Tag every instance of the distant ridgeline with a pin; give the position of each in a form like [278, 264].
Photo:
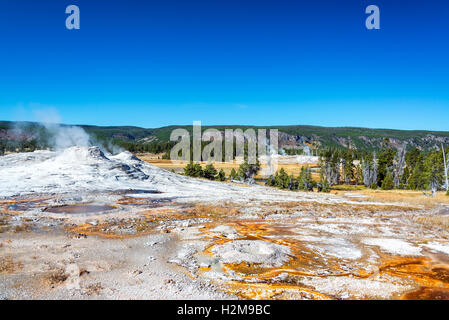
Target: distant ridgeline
[28, 136]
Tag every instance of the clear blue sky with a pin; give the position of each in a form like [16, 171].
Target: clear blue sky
[156, 63]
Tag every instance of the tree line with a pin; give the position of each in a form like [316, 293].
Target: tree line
[389, 168]
[152, 147]
[20, 146]
[245, 173]
[304, 181]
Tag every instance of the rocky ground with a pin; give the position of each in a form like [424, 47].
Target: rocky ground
[84, 225]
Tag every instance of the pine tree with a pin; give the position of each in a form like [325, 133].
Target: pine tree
[210, 172]
[385, 163]
[221, 175]
[285, 180]
[198, 170]
[305, 181]
[247, 171]
[281, 181]
[417, 179]
[270, 181]
[295, 184]
[189, 169]
[323, 186]
[405, 178]
[193, 170]
[277, 180]
[348, 166]
[434, 171]
[233, 174]
[412, 158]
[388, 182]
[358, 175]
[292, 185]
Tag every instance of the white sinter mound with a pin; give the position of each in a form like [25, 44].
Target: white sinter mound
[252, 251]
[74, 169]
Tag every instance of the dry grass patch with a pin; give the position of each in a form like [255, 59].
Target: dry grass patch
[348, 187]
[24, 227]
[143, 225]
[94, 289]
[417, 198]
[7, 265]
[4, 223]
[435, 221]
[336, 208]
[55, 278]
[115, 229]
[5, 226]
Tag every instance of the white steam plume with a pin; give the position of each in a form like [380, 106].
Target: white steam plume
[61, 137]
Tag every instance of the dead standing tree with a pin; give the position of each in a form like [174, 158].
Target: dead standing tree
[446, 165]
[399, 165]
[330, 166]
[369, 170]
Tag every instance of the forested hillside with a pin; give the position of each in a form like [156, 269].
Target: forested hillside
[29, 136]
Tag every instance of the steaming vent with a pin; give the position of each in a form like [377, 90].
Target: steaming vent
[96, 153]
[82, 155]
